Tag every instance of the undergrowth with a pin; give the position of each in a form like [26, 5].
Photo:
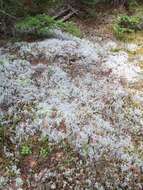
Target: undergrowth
[42, 26]
[127, 24]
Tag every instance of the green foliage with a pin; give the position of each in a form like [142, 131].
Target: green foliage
[126, 24]
[44, 152]
[25, 150]
[129, 22]
[119, 31]
[41, 25]
[69, 27]
[38, 25]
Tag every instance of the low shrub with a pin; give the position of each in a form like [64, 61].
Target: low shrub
[37, 25]
[127, 24]
[130, 22]
[41, 26]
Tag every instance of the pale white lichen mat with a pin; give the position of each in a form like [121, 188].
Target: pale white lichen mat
[79, 91]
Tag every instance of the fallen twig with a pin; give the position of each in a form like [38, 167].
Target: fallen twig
[66, 14]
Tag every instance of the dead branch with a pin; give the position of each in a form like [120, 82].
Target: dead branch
[67, 17]
[61, 14]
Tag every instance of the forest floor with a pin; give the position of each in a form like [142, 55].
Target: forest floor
[72, 111]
